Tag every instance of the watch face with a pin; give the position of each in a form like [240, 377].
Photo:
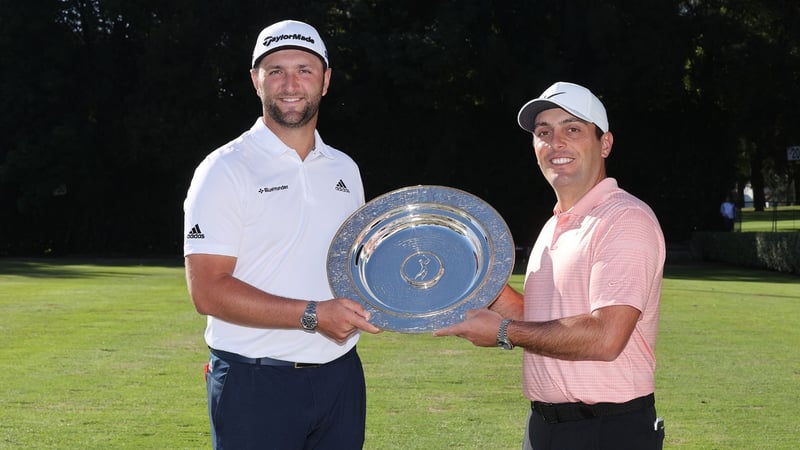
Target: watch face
[309, 318]
[309, 322]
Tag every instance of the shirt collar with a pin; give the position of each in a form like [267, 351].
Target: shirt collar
[590, 199]
[276, 147]
[321, 147]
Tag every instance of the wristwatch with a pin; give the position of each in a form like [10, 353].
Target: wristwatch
[309, 318]
[502, 336]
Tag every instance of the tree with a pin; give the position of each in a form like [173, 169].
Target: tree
[747, 64]
[108, 105]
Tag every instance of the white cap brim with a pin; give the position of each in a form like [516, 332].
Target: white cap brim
[572, 98]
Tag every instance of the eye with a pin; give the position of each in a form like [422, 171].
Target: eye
[542, 133]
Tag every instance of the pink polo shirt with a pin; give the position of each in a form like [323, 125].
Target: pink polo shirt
[606, 250]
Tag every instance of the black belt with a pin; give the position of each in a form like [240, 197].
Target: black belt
[569, 412]
[235, 357]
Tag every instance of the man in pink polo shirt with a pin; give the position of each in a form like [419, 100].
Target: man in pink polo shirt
[588, 318]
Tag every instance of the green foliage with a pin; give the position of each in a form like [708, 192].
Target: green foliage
[107, 106]
[767, 240]
[774, 251]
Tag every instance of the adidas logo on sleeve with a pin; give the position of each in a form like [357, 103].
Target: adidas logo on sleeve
[195, 233]
[341, 187]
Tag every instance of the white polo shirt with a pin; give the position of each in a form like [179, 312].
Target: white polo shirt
[256, 200]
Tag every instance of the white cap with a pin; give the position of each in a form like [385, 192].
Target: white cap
[572, 98]
[289, 34]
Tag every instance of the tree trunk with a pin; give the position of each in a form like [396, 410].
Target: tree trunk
[757, 181]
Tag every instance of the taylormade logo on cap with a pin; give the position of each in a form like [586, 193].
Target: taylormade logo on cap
[269, 40]
[289, 34]
[572, 98]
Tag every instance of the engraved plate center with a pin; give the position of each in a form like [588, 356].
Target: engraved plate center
[422, 269]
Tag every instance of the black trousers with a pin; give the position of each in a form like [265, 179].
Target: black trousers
[635, 431]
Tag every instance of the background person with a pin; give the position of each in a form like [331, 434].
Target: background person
[589, 315]
[259, 217]
[728, 212]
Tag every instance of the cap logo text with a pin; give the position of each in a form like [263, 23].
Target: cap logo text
[269, 40]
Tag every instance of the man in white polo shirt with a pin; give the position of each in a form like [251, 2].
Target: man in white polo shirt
[589, 315]
[259, 217]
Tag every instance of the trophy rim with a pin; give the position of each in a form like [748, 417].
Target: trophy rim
[442, 217]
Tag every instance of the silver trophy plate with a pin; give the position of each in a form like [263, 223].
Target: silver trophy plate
[419, 257]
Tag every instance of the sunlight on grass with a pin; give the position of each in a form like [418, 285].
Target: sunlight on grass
[782, 218]
[110, 355]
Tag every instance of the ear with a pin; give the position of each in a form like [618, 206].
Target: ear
[254, 79]
[606, 142]
[326, 81]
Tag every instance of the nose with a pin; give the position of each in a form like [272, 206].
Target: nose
[292, 80]
[556, 139]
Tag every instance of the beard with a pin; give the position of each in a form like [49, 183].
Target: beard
[293, 119]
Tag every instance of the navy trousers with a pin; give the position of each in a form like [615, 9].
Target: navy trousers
[269, 407]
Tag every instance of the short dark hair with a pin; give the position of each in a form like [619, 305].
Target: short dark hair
[598, 132]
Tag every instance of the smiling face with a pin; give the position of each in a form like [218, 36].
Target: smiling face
[290, 84]
[570, 155]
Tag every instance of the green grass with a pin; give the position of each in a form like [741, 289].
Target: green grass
[728, 369]
[783, 218]
[101, 354]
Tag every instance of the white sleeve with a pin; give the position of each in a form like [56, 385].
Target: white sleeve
[213, 210]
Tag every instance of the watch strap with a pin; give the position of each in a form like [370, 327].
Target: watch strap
[309, 319]
[502, 335]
